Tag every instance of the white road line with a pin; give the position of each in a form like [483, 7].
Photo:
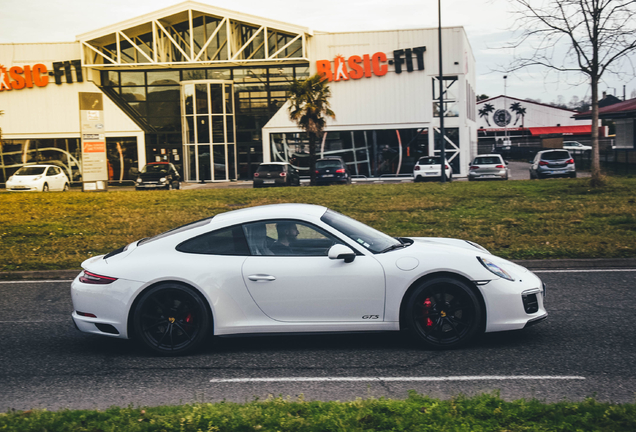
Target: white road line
[35, 281]
[584, 271]
[397, 379]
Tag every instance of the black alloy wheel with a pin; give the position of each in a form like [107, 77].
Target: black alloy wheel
[66, 187]
[45, 187]
[171, 319]
[444, 313]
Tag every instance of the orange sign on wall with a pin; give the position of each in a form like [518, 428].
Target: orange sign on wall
[356, 67]
[19, 77]
[94, 147]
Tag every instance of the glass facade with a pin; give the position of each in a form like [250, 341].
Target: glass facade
[368, 153]
[152, 99]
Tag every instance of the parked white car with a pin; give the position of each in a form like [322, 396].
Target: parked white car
[576, 147]
[299, 268]
[429, 167]
[41, 178]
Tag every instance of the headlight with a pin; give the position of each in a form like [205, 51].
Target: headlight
[37, 178]
[162, 179]
[494, 268]
[10, 179]
[138, 179]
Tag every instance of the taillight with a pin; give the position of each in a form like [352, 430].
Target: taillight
[283, 174]
[317, 172]
[340, 171]
[543, 163]
[446, 166]
[256, 174]
[417, 168]
[569, 161]
[474, 167]
[500, 166]
[95, 279]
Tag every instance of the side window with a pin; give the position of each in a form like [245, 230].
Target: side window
[287, 238]
[51, 172]
[226, 241]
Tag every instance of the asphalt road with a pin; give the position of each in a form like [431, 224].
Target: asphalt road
[587, 347]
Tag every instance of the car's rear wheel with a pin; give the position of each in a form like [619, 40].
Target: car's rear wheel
[171, 319]
[444, 313]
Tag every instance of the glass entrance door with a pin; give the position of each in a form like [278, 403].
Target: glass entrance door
[207, 110]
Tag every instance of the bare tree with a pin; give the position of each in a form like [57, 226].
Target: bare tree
[598, 36]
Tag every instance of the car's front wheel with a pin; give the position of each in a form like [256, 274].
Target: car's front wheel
[171, 319]
[45, 187]
[444, 313]
[66, 187]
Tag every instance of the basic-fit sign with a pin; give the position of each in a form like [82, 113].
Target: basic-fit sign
[94, 162]
[28, 76]
[356, 67]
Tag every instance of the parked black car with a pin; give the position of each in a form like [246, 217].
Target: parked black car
[158, 175]
[552, 163]
[276, 174]
[332, 170]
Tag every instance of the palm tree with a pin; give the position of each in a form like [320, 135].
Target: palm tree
[309, 104]
[487, 109]
[517, 108]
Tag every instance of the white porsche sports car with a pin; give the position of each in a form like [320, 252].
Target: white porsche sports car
[290, 268]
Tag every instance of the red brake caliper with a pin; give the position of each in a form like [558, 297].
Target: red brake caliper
[188, 319]
[427, 309]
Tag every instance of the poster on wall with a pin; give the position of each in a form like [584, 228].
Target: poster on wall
[94, 159]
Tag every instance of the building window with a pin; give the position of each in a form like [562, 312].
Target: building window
[450, 96]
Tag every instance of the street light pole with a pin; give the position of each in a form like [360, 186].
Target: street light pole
[505, 143]
[442, 153]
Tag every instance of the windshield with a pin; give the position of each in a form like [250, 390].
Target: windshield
[429, 161]
[487, 161]
[555, 155]
[270, 168]
[155, 168]
[370, 238]
[30, 171]
[328, 164]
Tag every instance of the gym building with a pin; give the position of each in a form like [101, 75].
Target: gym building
[206, 89]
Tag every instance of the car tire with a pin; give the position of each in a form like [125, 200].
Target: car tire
[45, 187]
[444, 313]
[66, 187]
[171, 319]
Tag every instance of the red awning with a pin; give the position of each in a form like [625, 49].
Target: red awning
[565, 130]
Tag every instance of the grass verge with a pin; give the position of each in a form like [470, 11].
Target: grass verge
[416, 413]
[515, 219]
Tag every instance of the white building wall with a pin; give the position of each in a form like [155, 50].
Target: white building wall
[537, 115]
[392, 101]
[53, 111]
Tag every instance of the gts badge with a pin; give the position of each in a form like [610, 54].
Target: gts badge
[370, 316]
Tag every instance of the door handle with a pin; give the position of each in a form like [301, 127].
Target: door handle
[261, 277]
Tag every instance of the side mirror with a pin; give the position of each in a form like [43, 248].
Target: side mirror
[340, 251]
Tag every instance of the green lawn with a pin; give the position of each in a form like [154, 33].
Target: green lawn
[514, 219]
[416, 413]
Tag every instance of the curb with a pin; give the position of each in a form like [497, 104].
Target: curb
[556, 264]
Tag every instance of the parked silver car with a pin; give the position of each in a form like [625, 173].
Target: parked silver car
[553, 163]
[490, 166]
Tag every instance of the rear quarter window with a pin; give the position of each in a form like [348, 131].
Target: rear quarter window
[226, 241]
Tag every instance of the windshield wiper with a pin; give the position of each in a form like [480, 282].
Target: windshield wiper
[393, 247]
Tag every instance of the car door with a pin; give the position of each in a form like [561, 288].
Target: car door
[301, 284]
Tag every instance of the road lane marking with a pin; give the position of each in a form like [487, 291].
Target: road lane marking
[397, 379]
[36, 281]
[583, 271]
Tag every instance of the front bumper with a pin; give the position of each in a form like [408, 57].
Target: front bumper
[151, 185]
[514, 305]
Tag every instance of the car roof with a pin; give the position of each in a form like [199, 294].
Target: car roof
[158, 163]
[275, 163]
[39, 166]
[489, 155]
[271, 211]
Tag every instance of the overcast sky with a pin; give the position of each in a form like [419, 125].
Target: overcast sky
[487, 23]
